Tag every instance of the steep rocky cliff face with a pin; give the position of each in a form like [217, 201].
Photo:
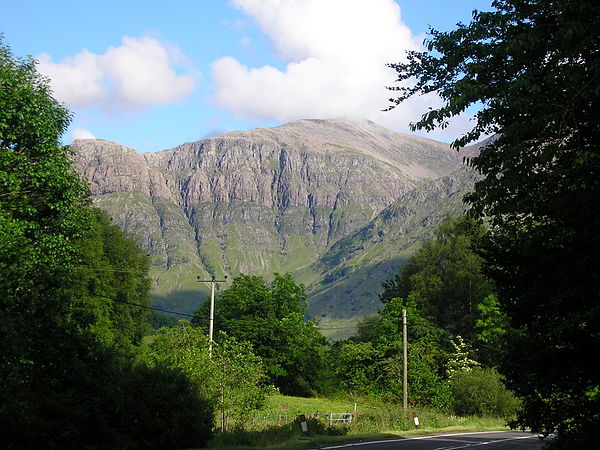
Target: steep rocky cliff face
[262, 201]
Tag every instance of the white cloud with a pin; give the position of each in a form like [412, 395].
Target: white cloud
[140, 72]
[82, 133]
[77, 80]
[336, 53]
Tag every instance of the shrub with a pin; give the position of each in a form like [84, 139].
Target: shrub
[321, 427]
[160, 408]
[481, 392]
[112, 404]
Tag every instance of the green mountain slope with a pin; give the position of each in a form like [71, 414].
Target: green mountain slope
[350, 274]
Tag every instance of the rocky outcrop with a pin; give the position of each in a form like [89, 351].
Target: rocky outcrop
[259, 201]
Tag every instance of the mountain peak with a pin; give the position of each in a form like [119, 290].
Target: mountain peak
[260, 201]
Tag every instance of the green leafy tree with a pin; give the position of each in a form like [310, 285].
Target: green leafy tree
[159, 320]
[359, 368]
[112, 284]
[371, 363]
[271, 318]
[150, 408]
[532, 69]
[240, 378]
[445, 277]
[60, 387]
[366, 329]
[491, 330]
[232, 380]
[246, 311]
[428, 353]
[41, 216]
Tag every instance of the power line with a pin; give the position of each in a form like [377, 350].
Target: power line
[148, 307]
[96, 269]
[473, 344]
[348, 327]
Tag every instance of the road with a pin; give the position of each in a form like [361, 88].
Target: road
[496, 440]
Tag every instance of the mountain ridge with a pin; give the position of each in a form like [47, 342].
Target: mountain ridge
[259, 201]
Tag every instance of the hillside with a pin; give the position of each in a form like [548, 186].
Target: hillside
[351, 272]
[334, 201]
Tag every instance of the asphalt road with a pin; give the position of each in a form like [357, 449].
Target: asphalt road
[496, 440]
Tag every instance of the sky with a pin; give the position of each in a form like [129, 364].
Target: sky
[154, 74]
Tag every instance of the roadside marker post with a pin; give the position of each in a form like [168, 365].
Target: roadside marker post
[416, 419]
[303, 425]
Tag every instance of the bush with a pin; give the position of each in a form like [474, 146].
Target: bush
[481, 392]
[320, 427]
[111, 404]
[160, 408]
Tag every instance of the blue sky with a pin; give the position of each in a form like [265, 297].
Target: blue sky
[154, 74]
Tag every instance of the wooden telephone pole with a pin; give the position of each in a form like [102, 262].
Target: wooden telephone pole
[405, 360]
[211, 319]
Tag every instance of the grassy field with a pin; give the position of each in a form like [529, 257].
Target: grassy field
[278, 427]
[284, 404]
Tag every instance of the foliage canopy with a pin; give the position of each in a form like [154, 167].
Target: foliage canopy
[232, 379]
[41, 215]
[111, 284]
[445, 277]
[271, 318]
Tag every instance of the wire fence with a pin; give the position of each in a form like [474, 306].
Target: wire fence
[265, 421]
[331, 418]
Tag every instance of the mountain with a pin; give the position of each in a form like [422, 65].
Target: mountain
[339, 203]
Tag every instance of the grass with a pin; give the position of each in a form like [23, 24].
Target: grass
[278, 427]
[284, 404]
[338, 329]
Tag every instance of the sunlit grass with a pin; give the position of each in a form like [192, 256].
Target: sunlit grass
[277, 426]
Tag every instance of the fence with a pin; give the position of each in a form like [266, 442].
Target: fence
[282, 419]
[339, 418]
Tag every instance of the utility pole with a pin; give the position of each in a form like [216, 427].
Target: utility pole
[405, 369]
[211, 319]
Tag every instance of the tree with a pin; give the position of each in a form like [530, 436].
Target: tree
[532, 67]
[232, 380]
[445, 277]
[240, 377]
[63, 382]
[42, 213]
[359, 368]
[153, 408]
[491, 330]
[372, 362]
[271, 318]
[481, 392]
[428, 353]
[112, 284]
